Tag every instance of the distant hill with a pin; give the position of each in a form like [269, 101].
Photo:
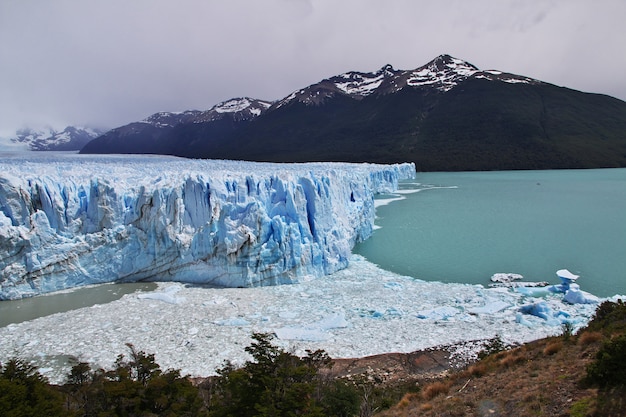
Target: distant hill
[174, 133]
[446, 115]
[71, 138]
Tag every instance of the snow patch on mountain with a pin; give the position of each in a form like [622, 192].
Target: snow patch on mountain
[49, 139]
[443, 73]
[238, 108]
[171, 119]
[239, 105]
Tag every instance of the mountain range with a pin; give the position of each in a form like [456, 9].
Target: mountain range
[446, 115]
[49, 139]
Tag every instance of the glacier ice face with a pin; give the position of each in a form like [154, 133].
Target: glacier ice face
[70, 220]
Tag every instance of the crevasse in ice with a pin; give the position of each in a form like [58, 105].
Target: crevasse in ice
[69, 220]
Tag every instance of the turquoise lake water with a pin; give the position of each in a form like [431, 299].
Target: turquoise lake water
[464, 227]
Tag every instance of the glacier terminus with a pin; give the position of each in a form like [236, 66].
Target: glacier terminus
[70, 220]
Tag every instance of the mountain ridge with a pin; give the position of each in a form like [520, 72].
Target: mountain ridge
[71, 138]
[445, 115]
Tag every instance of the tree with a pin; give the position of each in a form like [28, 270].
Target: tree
[25, 392]
[135, 387]
[278, 383]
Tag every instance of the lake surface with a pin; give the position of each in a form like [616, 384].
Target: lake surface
[464, 227]
[17, 311]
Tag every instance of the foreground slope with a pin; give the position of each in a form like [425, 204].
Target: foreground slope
[580, 374]
[67, 220]
[445, 115]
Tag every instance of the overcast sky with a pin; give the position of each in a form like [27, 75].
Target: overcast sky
[110, 62]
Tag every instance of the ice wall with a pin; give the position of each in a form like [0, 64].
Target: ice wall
[70, 220]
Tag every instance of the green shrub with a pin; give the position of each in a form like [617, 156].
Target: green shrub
[568, 331]
[609, 317]
[609, 367]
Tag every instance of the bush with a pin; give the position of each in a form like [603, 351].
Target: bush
[568, 331]
[609, 317]
[609, 367]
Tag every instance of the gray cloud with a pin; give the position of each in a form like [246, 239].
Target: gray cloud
[110, 62]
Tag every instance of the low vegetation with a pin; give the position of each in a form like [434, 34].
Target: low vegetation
[581, 374]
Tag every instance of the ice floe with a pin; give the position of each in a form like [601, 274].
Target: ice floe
[359, 311]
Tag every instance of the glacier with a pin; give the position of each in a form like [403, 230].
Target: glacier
[70, 220]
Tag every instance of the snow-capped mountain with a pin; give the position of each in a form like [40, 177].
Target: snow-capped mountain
[237, 108]
[49, 139]
[152, 134]
[443, 73]
[445, 115]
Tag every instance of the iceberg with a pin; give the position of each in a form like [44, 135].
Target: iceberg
[575, 296]
[168, 295]
[69, 220]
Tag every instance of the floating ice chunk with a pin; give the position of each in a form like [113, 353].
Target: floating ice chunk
[235, 322]
[575, 296]
[541, 310]
[301, 333]
[544, 311]
[565, 274]
[168, 295]
[503, 277]
[316, 332]
[438, 313]
[511, 280]
[519, 318]
[392, 311]
[380, 313]
[372, 313]
[333, 321]
[379, 202]
[489, 308]
[567, 279]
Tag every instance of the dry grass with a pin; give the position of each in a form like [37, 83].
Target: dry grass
[435, 389]
[425, 407]
[477, 369]
[539, 378]
[511, 358]
[588, 338]
[406, 399]
[552, 347]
